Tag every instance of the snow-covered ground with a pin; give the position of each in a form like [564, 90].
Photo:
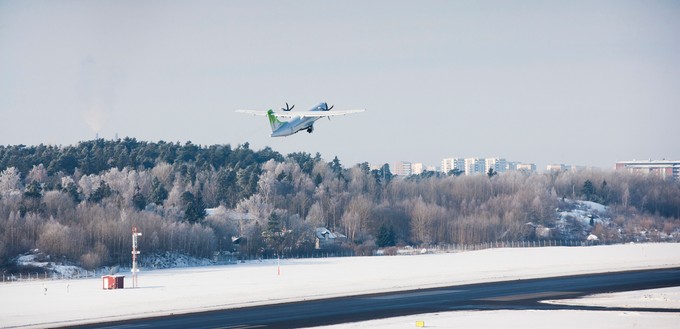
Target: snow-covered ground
[37, 260]
[583, 210]
[51, 303]
[573, 220]
[567, 319]
[526, 320]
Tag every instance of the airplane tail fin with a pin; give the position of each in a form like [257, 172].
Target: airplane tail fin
[273, 120]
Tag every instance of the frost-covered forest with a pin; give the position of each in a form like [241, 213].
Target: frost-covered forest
[79, 203]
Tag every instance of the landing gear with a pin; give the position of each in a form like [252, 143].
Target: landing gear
[310, 129]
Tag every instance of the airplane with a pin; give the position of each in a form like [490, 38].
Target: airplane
[297, 121]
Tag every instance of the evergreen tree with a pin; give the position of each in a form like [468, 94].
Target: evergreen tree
[33, 190]
[386, 236]
[274, 224]
[227, 193]
[588, 189]
[72, 190]
[138, 199]
[336, 167]
[365, 168]
[383, 175]
[102, 192]
[274, 235]
[32, 195]
[195, 208]
[158, 192]
[67, 161]
[455, 172]
[304, 160]
[604, 192]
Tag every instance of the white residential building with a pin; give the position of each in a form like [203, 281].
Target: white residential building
[528, 167]
[499, 165]
[557, 167]
[403, 168]
[417, 168]
[475, 166]
[449, 164]
[660, 168]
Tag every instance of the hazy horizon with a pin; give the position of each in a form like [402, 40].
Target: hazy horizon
[576, 83]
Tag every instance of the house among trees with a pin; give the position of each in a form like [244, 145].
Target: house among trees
[326, 238]
[238, 242]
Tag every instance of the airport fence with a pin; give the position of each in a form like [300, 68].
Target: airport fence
[50, 275]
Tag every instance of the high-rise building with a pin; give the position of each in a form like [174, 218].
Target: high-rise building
[449, 164]
[661, 168]
[417, 168]
[402, 168]
[527, 167]
[557, 167]
[475, 166]
[499, 165]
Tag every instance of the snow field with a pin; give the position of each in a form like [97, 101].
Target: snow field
[563, 319]
[525, 320]
[172, 291]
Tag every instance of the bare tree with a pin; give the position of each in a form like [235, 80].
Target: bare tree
[164, 173]
[10, 180]
[37, 174]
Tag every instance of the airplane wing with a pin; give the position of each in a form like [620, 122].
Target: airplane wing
[316, 114]
[253, 112]
[307, 114]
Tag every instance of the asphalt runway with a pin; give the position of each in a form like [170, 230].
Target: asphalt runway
[515, 295]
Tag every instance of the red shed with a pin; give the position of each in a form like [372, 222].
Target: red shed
[113, 282]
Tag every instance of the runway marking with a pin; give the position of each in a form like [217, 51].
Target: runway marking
[415, 294]
[510, 298]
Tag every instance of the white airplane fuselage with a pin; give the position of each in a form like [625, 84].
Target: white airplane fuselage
[297, 123]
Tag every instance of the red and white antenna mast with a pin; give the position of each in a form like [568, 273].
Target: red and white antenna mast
[135, 252]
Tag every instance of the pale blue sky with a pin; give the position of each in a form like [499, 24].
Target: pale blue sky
[577, 82]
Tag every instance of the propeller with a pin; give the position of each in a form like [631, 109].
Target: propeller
[328, 109]
[288, 108]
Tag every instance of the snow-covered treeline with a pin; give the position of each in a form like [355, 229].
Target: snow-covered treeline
[274, 203]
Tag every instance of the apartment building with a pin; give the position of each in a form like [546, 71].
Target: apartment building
[499, 165]
[402, 168]
[449, 164]
[661, 168]
[527, 167]
[475, 166]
